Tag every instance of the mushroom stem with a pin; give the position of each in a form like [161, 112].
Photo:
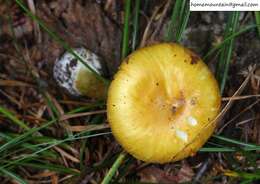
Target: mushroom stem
[78, 80]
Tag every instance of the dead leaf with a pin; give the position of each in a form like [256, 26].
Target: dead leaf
[185, 174]
[153, 174]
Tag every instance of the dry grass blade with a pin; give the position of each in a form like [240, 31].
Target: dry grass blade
[239, 97]
[11, 99]
[235, 117]
[238, 92]
[66, 155]
[44, 174]
[162, 16]
[70, 102]
[37, 32]
[60, 110]
[82, 128]
[69, 116]
[54, 179]
[246, 121]
[14, 83]
[227, 50]
[148, 27]
[13, 118]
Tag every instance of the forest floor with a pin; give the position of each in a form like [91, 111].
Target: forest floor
[41, 139]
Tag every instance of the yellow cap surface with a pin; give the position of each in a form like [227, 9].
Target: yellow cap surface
[160, 100]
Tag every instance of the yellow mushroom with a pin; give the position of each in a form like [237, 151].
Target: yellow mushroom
[159, 102]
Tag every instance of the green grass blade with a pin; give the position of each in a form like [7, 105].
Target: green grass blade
[51, 167]
[185, 18]
[216, 149]
[20, 138]
[257, 20]
[226, 51]
[51, 105]
[244, 175]
[23, 147]
[12, 117]
[114, 168]
[82, 154]
[124, 170]
[13, 176]
[51, 145]
[232, 36]
[246, 145]
[136, 24]
[89, 107]
[125, 44]
[174, 21]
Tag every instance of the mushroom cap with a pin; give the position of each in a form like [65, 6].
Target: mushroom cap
[76, 78]
[162, 103]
